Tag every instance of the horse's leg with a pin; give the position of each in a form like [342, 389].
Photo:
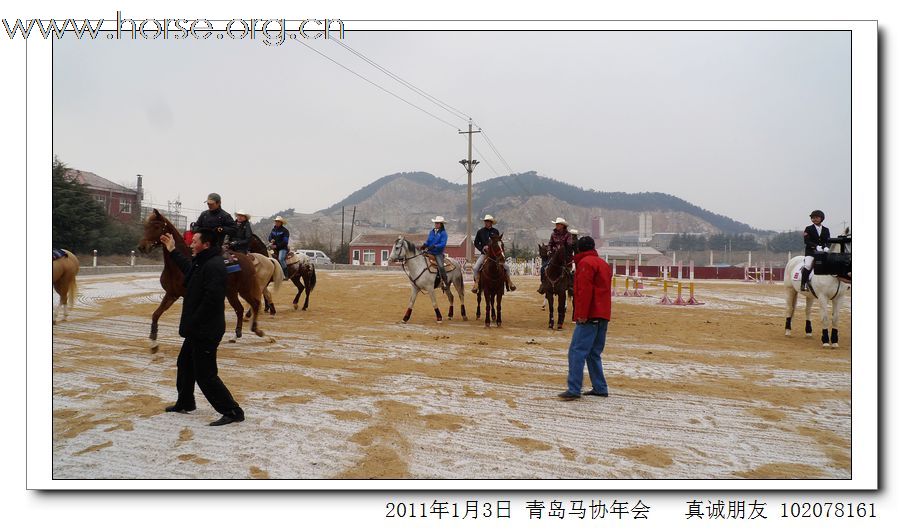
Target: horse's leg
[549, 303]
[561, 320]
[499, 307]
[300, 287]
[835, 303]
[236, 304]
[460, 287]
[439, 315]
[410, 303]
[824, 316]
[790, 304]
[488, 296]
[165, 304]
[255, 302]
[479, 296]
[808, 328]
[268, 302]
[451, 300]
[56, 308]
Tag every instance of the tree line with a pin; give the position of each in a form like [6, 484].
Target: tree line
[79, 223]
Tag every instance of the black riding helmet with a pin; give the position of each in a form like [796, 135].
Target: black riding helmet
[818, 213]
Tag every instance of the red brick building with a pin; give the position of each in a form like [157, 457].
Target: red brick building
[118, 202]
[374, 249]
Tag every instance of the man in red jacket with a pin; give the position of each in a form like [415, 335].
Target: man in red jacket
[592, 309]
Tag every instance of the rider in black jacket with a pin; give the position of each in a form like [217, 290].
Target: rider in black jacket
[215, 219]
[243, 233]
[816, 239]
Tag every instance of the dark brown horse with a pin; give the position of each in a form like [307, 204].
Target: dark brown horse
[304, 276]
[491, 280]
[257, 246]
[242, 283]
[557, 280]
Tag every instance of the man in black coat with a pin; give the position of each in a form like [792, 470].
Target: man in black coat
[242, 238]
[816, 239]
[202, 325]
[215, 219]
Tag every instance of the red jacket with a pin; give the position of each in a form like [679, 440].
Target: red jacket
[592, 287]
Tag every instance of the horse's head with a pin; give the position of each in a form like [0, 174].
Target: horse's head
[402, 249]
[544, 251]
[496, 245]
[154, 227]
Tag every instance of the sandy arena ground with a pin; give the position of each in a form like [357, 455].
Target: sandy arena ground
[346, 391]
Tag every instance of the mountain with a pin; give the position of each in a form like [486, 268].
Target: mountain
[524, 204]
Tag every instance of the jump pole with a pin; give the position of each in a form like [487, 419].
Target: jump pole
[691, 300]
[680, 300]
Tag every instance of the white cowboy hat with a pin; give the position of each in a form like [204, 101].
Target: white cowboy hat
[438, 219]
[242, 212]
[489, 217]
[560, 221]
[573, 231]
[280, 219]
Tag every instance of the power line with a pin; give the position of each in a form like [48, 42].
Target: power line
[452, 110]
[493, 147]
[434, 116]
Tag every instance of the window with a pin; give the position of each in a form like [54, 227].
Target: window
[102, 200]
[356, 256]
[384, 257]
[125, 206]
[369, 257]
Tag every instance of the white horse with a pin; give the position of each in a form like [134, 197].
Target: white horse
[267, 270]
[824, 288]
[416, 266]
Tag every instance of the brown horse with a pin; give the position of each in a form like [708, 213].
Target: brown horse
[242, 283]
[65, 270]
[304, 276]
[557, 280]
[492, 281]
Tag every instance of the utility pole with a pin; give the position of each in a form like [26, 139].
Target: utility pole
[469, 166]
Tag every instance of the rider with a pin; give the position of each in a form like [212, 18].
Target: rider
[816, 239]
[243, 233]
[436, 245]
[279, 241]
[215, 219]
[560, 238]
[482, 244]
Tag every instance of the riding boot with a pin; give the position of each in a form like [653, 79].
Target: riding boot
[508, 283]
[475, 288]
[542, 289]
[804, 279]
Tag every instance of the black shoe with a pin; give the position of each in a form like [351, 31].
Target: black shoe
[595, 393]
[568, 396]
[180, 409]
[226, 419]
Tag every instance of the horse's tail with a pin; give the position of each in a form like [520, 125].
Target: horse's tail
[278, 276]
[313, 277]
[73, 287]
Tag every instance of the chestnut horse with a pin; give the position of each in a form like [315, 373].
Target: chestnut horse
[243, 282]
[64, 271]
[557, 279]
[492, 281]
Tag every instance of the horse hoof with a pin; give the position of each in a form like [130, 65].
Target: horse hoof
[295, 306]
[834, 344]
[787, 332]
[259, 333]
[826, 345]
[232, 341]
[809, 334]
[155, 348]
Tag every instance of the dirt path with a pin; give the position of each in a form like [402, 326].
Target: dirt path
[345, 391]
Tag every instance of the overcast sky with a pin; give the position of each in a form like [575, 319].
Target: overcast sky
[752, 125]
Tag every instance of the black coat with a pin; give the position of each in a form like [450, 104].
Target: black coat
[242, 237]
[812, 239]
[205, 295]
[214, 219]
[482, 238]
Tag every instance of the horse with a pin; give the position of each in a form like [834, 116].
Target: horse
[491, 281]
[65, 270]
[417, 271]
[244, 282]
[823, 287]
[557, 280]
[304, 276]
[257, 246]
[267, 270]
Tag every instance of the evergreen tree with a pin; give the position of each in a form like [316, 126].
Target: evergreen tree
[77, 221]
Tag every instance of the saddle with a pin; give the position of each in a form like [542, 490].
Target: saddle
[231, 261]
[58, 253]
[431, 264]
[293, 258]
[833, 263]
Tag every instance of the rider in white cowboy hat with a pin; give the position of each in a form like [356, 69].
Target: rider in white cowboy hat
[436, 245]
[279, 241]
[560, 237]
[242, 238]
[482, 244]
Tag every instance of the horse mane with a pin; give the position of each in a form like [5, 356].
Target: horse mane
[169, 227]
[409, 246]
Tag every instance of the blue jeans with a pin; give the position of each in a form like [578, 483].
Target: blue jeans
[282, 260]
[587, 343]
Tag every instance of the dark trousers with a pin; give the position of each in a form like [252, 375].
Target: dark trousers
[197, 362]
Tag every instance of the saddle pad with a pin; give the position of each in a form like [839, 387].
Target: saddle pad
[293, 258]
[233, 268]
[58, 253]
[229, 258]
[795, 275]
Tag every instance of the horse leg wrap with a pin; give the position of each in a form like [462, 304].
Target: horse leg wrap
[464, 316]
[451, 311]
[834, 336]
[407, 315]
[439, 316]
[788, 323]
[825, 336]
[809, 328]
